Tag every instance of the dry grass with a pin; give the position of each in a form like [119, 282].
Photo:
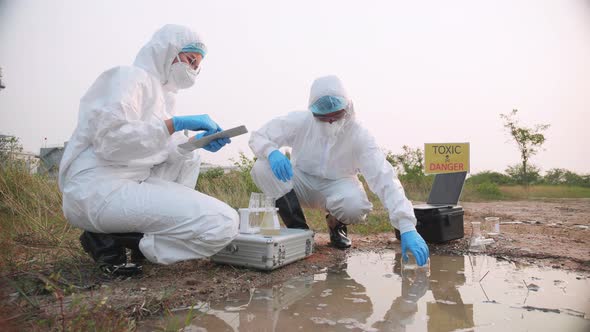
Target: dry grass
[545, 191]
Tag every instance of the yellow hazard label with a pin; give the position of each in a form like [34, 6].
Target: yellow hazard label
[446, 158]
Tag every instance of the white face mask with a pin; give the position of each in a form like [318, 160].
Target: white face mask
[332, 129]
[336, 127]
[182, 75]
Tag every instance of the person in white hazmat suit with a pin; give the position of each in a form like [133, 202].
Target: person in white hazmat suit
[125, 181]
[329, 148]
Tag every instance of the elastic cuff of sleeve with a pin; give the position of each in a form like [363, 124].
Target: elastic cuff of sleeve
[166, 129]
[406, 226]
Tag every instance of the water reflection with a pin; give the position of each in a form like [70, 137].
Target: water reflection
[448, 312]
[414, 286]
[369, 292]
[334, 297]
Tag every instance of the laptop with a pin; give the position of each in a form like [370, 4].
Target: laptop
[445, 192]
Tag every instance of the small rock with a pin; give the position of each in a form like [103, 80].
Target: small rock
[192, 282]
[392, 239]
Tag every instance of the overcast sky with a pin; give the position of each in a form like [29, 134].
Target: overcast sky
[418, 71]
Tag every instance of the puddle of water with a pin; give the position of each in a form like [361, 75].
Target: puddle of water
[370, 293]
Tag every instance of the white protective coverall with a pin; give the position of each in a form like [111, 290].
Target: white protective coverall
[122, 172]
[326, 163]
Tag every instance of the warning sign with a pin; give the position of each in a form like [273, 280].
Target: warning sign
[446, 158]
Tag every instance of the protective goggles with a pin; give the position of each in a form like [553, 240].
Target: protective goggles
[192, 61]
[330, 117]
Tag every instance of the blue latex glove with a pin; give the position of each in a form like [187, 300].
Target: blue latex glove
[195, 123]
[280, 165]
[415, 243]
[214, 145]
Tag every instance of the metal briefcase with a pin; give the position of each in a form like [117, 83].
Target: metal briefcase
[267, 252]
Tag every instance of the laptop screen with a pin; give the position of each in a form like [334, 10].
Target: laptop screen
[447, 188]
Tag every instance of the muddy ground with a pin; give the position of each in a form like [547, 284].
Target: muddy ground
[552, 233]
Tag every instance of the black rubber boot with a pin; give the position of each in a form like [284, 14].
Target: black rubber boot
[291, 212]
[103, 248]
[130, 241]
[338, 234]
[108, 250]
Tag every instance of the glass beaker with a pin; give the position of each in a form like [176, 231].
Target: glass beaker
[492, 225]
[255, 207]
[477, 241]
[411, 268]
[270, 221]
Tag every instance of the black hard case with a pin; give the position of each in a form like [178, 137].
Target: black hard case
[440, 224]
[441, 220]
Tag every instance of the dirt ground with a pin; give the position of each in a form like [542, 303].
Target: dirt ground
[552, 233]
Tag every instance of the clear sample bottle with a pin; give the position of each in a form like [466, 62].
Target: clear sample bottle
[477, 241]
[492, 225]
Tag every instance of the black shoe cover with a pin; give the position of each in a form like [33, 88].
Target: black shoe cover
[291, 212]
[338, 236]
[103, 248]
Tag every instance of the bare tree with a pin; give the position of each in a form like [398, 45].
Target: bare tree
[528, 140]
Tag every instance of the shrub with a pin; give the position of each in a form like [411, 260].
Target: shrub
[517, 173]
[212, 173]
[491, 177]
[561, 176]
[410, 169]
[488, 190]
[244, 165]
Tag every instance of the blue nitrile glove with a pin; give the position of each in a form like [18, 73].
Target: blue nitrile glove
[280, 165]
[214, 145]
[195, 123]
[413, 241]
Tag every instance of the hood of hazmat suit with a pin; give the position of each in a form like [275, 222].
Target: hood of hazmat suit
[122, 171]
[121, 117]
[336, 152]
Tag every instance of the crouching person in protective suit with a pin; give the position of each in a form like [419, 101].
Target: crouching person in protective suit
[329, 148]
[124, 180]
